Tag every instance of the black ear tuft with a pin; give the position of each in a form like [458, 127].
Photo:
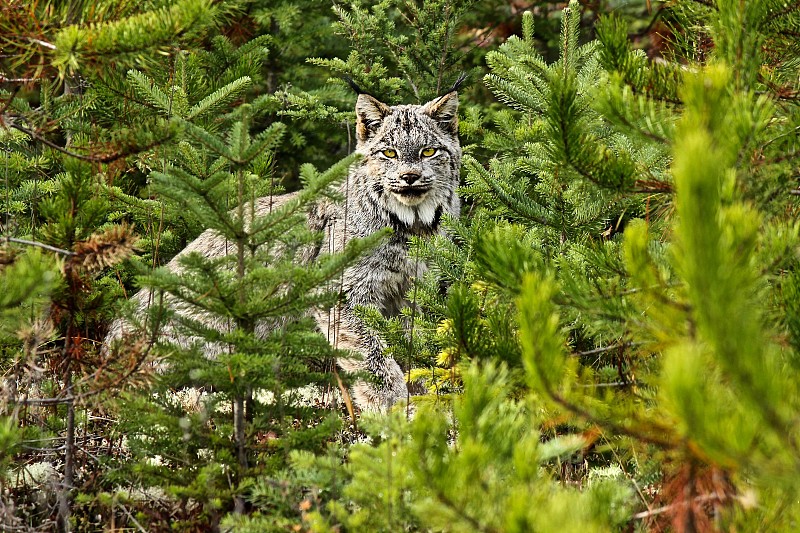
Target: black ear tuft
[370, 113]
[461, 79]
[352, 84]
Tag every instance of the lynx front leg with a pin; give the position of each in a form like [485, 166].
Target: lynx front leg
[347, 332]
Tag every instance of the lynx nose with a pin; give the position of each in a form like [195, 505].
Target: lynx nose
[410, 177]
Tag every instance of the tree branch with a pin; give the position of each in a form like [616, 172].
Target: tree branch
[39, 245]
[54, 146]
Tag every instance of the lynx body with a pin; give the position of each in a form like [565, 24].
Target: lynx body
[406, 180]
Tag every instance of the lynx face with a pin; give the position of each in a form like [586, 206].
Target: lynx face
[411, 158]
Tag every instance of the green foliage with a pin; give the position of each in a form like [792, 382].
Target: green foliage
[608, 337]
[422, 468]
[133, 37]
[743, 366]
[417, 40]
[25, 277]
[259, 284]
[633, 240]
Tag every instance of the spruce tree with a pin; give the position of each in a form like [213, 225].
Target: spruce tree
[64, 145]
[251, 414]
[55, 149]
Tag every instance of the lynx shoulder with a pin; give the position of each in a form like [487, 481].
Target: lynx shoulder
[406, 180]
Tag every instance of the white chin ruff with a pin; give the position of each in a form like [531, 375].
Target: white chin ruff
[410, 209]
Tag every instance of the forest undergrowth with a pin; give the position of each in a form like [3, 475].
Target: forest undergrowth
[607, 339]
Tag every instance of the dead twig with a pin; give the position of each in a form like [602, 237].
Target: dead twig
[39, 245]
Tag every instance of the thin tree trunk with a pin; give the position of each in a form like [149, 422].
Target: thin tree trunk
[241, 447]
[239, 419]
[65, 492]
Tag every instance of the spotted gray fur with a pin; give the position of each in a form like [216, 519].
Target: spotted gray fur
[394, 185]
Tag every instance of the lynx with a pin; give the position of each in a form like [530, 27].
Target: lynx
[406, 180]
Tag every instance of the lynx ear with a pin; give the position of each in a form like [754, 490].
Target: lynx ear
[444, 110]
[369, 116]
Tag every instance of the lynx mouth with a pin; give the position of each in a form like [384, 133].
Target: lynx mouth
[411, 192]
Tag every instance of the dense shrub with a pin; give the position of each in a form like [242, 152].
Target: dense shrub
[607, 338]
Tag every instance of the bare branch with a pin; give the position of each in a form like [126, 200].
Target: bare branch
[54, 146]
[39, 245]
[666, 508]
[4, 79]
[47, 45]
[604, 349]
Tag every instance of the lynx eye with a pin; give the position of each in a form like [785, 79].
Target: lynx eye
[391, 154]
[428, 152]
